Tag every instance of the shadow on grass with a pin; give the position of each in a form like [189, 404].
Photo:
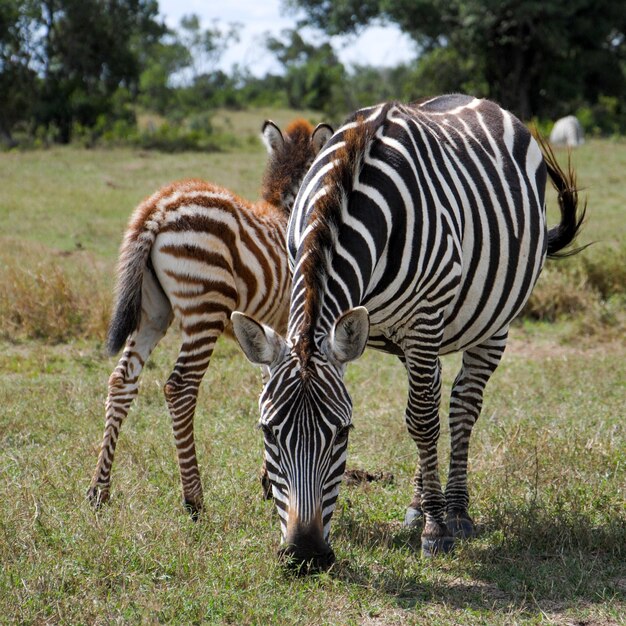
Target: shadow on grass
[523, 559]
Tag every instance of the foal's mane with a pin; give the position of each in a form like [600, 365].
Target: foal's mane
[288, 163]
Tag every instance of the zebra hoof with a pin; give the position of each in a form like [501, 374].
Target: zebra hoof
[433, 546]
[97, 497]
[193, 509]
[460, 525]
[414, 518]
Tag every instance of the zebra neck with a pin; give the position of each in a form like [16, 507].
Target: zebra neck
[314, 311]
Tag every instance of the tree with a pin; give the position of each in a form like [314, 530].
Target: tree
[205, 46]
[91, 48]
[180, 73]
[18, 81]
[367, 85]
[531, 54]
[163, 60]
[314, 77]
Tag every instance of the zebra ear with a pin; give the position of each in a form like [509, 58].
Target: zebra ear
[349, 336]
[321, 134]
[272, 137]
[259, 343]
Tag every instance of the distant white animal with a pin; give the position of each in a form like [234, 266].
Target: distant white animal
[567, 131]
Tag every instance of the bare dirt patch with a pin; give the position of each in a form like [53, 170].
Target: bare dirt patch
[354, 477]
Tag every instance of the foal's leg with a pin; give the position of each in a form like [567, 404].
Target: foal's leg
[479, 363]
[156, 316]
[200, 334]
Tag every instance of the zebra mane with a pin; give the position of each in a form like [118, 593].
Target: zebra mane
[324, 221]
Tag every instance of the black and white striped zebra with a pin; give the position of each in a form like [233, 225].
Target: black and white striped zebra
[419, 230]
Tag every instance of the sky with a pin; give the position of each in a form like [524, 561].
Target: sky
[377, 45]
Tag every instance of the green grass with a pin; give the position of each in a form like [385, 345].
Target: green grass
[77, 200]
[548, 459]
[547, 479]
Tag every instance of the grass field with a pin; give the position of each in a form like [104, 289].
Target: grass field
[548, 459]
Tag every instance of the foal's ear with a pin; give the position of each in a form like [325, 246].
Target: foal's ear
[259, 343]
[349, 336]
[272, 137]
[321, 134]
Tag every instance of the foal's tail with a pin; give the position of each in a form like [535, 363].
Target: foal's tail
[572, 216]
[133, 262]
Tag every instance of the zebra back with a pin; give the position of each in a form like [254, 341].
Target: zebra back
[404, 194]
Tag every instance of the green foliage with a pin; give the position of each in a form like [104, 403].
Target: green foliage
[366, 85]
[535, 58]
[89, 54]
[18, 80]
[204, 46]
[64, 65]
[446, 70]
[606, 117]
[175, 138]
[163, 60]
[314, 77]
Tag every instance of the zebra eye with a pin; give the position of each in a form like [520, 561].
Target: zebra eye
[268, 433]
[342, 434]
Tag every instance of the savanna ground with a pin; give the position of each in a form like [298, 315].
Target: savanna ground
[548, 458]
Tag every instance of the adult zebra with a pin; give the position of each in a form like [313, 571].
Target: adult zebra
[196, 252]
[420, 230]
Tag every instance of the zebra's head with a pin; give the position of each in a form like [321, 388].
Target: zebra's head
[291, 155]
[306, 415]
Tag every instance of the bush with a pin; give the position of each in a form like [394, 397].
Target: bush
[176, 138]
[589, 290]
[558, 293]
[606, 271]
[43, 301]
[604, 118]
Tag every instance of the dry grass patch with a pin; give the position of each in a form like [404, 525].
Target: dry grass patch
[43, 298]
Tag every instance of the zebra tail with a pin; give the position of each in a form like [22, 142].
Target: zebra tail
[572, 215]
[133, 261]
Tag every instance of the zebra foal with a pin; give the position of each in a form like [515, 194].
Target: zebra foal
[196, 252]
[419, 230]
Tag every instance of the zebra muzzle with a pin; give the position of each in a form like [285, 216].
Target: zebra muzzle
[303, 560]
[306, 551]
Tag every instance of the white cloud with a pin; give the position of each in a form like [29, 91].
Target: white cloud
[381, 46]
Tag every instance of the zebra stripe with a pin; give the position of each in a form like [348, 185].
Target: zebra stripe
[432, 217]
[195, 252]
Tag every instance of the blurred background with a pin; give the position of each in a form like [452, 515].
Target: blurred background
[152, 73]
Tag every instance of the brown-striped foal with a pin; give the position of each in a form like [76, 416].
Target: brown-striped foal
[197, 252]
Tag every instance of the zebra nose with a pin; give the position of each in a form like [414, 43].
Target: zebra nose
[305, 549]
[305, 559]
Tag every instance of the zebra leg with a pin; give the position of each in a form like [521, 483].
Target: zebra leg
[479, 363]
[156, 316]
[181, 393]
[414, 516]
[422, 419]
